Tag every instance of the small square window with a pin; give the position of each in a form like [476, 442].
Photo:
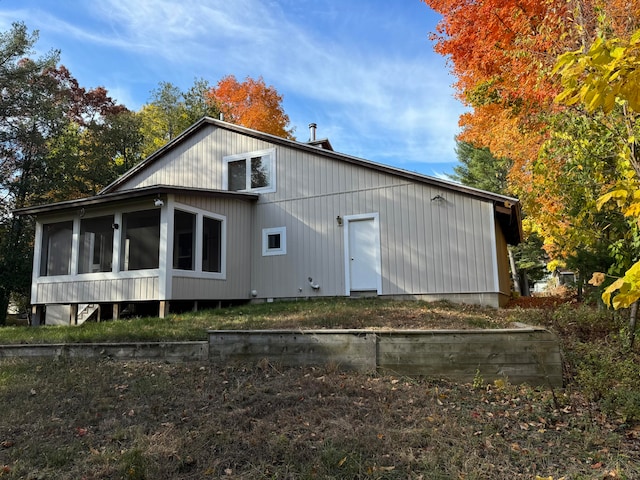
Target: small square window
[274, 241]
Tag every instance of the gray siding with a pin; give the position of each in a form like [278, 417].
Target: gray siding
[427, 247]
[196, 162]
[239, 235]
[442, 248]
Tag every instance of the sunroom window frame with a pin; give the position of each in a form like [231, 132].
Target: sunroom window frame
[198, 272]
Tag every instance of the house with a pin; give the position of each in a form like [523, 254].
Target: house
[224, 213]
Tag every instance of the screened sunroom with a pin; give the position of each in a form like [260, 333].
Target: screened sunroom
[139, 248]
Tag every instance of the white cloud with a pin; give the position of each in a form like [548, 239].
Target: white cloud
[399, 105]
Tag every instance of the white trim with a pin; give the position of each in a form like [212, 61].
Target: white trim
[266, 232]
[83, 277]
[268, 152]
[197, 272]
[37, 255]
[200, 275]
[197, 254]
[164, 265]
[494, 251]
[375, 216]
[75, 247]
[117, 242]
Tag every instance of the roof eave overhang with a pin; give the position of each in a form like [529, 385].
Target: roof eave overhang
[125, 196]
[509, 217]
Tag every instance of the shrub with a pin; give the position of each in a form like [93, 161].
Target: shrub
[606, 376]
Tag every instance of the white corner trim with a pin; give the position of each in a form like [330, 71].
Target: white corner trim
[494, 252]
[37, 255]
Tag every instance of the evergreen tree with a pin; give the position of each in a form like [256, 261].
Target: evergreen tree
[480, 169]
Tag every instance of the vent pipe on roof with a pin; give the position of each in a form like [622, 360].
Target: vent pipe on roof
[312, 132]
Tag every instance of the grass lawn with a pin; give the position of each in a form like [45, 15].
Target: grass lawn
[322, 313]
[104, 419]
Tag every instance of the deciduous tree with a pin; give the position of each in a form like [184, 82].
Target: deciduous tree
[57, 141]
[605, 77]
[32, 111]
[172, 111]
[252, 104]
[503, 54]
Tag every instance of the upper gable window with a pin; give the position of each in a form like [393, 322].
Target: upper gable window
[250, 172]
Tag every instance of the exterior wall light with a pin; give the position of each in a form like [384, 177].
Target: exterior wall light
[339, 220]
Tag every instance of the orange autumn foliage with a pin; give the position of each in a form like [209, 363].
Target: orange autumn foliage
[502, 53]
[252, 104]
[501, 46]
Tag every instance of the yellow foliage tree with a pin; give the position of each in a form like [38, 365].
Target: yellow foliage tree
[603, 77]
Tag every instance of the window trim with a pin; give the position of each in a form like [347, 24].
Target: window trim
[113, 241]
[43, 267]
[125, 253]
[266, 232]
[175, 254]
[197, 272]
[268, 152]
[223, 245]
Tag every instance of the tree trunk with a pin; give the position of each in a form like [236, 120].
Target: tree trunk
[514, 272]
[633, 315]
[4, 305]
[525, 290]
[579, 285]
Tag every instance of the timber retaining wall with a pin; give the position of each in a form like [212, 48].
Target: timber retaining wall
[165, 351]
[520, 355]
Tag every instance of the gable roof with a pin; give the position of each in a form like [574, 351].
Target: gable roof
[508, 212]
[507, 209]
[310, 148]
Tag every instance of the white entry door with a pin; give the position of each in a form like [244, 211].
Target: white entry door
[362, 241]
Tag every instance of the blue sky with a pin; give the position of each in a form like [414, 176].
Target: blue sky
[363, 70]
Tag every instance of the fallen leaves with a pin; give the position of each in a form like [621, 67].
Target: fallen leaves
[349, 426]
